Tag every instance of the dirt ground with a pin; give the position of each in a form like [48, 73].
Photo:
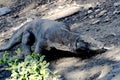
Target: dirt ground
[99, 19]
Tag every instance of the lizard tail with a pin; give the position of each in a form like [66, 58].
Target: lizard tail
[15, 39]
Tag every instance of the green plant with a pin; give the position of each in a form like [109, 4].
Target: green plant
[33, 67]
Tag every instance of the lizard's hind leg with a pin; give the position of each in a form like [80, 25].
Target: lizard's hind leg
[26, 47]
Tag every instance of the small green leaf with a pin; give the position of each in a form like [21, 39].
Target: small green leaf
[18, 51]
[2, 61]
[42, 58]
[5, 54]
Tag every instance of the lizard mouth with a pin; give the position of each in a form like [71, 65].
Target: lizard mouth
[97, 46]
[82, 45]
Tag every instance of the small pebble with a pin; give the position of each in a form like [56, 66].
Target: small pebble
[96, 21]
[97, 10]
[91, 16]
[102, 13]
[117, 4]
[90, 11]
[107, 20]
[116, 12]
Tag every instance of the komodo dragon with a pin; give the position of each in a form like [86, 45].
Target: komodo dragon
[48, 33]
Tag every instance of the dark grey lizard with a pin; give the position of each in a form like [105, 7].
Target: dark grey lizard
[48, 33]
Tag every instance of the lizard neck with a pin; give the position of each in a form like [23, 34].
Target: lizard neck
[71, 40]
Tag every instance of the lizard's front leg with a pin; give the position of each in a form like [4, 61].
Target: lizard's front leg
[26, 48]
[40, 45]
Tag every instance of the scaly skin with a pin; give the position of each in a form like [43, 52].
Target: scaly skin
[48, 33]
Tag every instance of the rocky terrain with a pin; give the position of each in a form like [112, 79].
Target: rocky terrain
[99, 19]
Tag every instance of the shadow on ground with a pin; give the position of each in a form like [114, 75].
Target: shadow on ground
[55, 54]
[81, 67]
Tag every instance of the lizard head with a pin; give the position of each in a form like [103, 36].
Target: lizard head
[88, 43]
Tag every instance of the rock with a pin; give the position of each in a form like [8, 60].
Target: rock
[116, 12]
[90, 11]
[107, 20]
[4, 10]
[117, 4]
[102, 13]
[95, 21]
[91, 16]
[97, 10]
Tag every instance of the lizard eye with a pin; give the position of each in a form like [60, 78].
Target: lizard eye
[81, 45]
